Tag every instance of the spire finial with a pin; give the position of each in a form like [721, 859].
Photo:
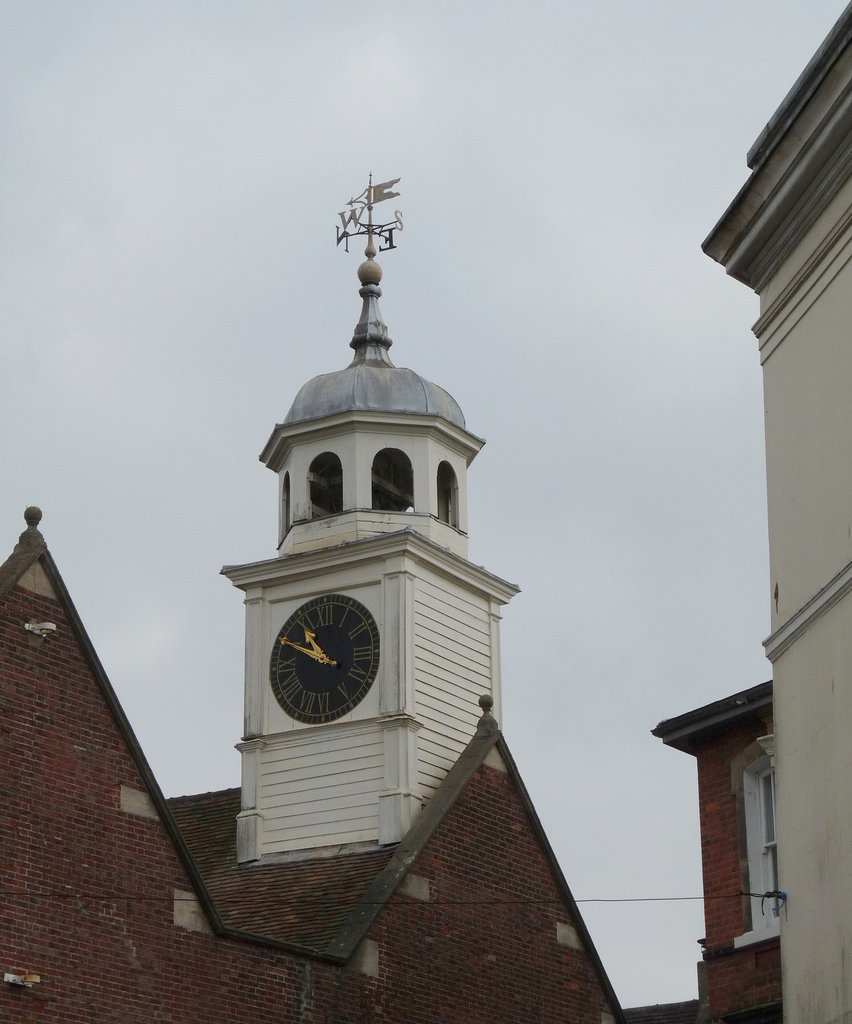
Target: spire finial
[370, 328]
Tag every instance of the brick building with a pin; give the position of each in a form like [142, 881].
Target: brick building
[133, 908]
[733, 744]
[381, 860]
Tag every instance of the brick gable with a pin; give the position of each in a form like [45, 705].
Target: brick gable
[102, 899]
[487, 937]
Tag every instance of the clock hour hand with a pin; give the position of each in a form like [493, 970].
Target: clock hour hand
[314, 651]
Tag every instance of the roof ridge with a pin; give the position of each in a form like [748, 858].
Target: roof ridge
[226, 792]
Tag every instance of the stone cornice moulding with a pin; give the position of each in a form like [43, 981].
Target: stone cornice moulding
[762, 251]
[786, 193]
[800, 621]
[805, 287]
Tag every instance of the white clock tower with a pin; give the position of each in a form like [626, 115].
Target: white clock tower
[349, 729]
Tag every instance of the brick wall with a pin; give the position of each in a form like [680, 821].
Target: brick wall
[750, 976]
[87, 891]
[486, 941]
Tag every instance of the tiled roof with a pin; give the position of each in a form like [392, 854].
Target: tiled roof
[664, 1013]
[303, 903]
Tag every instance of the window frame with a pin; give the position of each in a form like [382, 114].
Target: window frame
[761, 839]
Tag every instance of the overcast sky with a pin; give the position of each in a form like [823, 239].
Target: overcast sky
[170, 184]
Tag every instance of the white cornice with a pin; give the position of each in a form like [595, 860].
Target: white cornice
[405, 543]
[286, 434]
[800, 621]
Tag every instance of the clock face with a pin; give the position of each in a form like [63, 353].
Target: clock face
[324, 659]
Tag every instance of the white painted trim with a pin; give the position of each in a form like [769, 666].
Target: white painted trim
[800, 621]
[400, 802]
[772, 931]
[396, 661]
[249, 836]
[256, 629]
[285, 436]
[251, 751]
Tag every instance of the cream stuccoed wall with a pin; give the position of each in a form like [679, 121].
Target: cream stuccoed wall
[787, 235]
[804, 335]
[813, 722]
[806, 351]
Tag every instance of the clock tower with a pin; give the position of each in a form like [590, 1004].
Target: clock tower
[370, 637]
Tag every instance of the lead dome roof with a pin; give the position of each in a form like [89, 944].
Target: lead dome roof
[371, 382]
[373, 385]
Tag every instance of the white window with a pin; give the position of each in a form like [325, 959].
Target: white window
[761, 844]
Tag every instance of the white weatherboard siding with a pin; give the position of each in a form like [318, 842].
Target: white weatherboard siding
[453, 668]
[321, 790]
[362, 778]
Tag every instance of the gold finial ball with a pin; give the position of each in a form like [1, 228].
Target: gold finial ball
[369, 272]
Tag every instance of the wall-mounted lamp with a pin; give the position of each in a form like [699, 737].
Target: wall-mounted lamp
[39, 631]
[27, 980]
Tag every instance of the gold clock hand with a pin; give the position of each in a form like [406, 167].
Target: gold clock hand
[315, 652]
[311, 638]
[321, 656]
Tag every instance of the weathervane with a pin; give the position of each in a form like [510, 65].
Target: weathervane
[352, 219]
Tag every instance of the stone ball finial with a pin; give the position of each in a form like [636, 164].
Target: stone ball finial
[369, 272]
[31, 539]
[487, 724]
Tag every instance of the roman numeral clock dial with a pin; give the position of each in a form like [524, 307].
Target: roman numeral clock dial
[324, 659]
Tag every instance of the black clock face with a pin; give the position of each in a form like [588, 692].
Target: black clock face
[324, 659]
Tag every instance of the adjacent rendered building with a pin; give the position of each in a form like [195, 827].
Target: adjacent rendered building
[788, 236]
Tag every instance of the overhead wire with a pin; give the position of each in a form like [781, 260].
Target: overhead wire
[775, 894]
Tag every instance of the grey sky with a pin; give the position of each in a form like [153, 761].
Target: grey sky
[171, 177]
